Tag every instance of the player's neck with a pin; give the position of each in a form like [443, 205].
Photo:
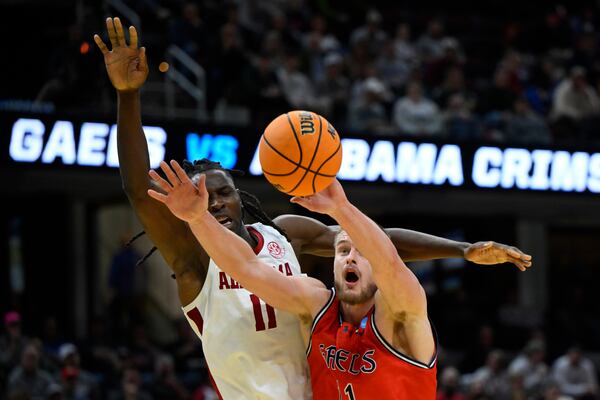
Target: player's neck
[354, 313]
[248, 237]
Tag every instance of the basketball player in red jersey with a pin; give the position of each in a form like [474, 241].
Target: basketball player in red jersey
[128, 69]
[369, 336]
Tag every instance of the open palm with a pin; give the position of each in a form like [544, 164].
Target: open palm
[127, 66]
[185, 200]
[488, 253]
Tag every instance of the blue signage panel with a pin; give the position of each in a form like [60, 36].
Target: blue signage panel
[63, 142]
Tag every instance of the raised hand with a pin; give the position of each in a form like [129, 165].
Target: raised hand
[325, 201]
[185, 200]
[127, 66]
[489, 253]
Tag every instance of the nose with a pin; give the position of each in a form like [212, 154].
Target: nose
[214, 203]
[351, 256]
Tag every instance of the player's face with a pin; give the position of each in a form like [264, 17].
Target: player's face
[352, 273]
[224, 202]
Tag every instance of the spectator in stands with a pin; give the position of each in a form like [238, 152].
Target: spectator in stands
[454, 83]
[403, 46]
[491, 378]
[297, 88]
[166, 385]
[551, 391]
[531, 366]
[452, 57]
[28, 377]
[370, 34]
[77, 382]
[448, 388]
[369, 114]
[574, 98]
[130, 388]
[11, 344]
[415, 114]
[393, 70]
[429, 45]
[262, 92]
[575, 375]
[544, 77]
[526, 127]
[575, 108]
[334, 89]
[322, 43]
[458, 121]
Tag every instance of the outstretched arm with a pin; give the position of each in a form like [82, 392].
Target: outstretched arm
[390, 273]
[189, 202]
[399, 292]
[127, 69]
[310, 236]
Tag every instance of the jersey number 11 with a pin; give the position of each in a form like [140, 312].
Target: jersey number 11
[258, 314]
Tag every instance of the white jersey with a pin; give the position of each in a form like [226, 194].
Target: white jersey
[252, 350]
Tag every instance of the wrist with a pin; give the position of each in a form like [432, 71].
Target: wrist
[341, 210]
[462, 248]
[201, 219]
[128, 94]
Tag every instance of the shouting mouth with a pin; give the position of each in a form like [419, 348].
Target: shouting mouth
[351, 276]
[225, 221]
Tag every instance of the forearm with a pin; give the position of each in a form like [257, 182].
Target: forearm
[367, 236]
[229, 251]
[134, 161]
[235, 257]
[415, 246]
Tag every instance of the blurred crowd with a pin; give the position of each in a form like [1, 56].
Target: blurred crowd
[385, 70]
[104, 366]
[115, 367]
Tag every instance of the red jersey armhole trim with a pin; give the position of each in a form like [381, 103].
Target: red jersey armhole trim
[259, 238]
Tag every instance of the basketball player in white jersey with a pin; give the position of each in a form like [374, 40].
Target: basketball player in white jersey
[274, 366]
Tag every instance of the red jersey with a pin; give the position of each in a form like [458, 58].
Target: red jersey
[356, 363]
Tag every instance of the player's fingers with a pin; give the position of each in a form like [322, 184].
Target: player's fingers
[120, 33]
[201, 184]
[133, 37]
[173, 179]
[522, 265]
[157, 196]
[143, 65]
[513, 252]
[526, 257]
[100, 44]
[112, 34]
[179, 171]
[164, 185]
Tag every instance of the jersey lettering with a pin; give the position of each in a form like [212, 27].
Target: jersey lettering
[227, 282]
[342, 360]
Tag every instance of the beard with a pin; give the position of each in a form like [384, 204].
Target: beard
[363, 296]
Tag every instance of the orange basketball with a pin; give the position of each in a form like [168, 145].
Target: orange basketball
[300, 153]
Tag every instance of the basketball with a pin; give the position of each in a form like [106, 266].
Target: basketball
[300, 153]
